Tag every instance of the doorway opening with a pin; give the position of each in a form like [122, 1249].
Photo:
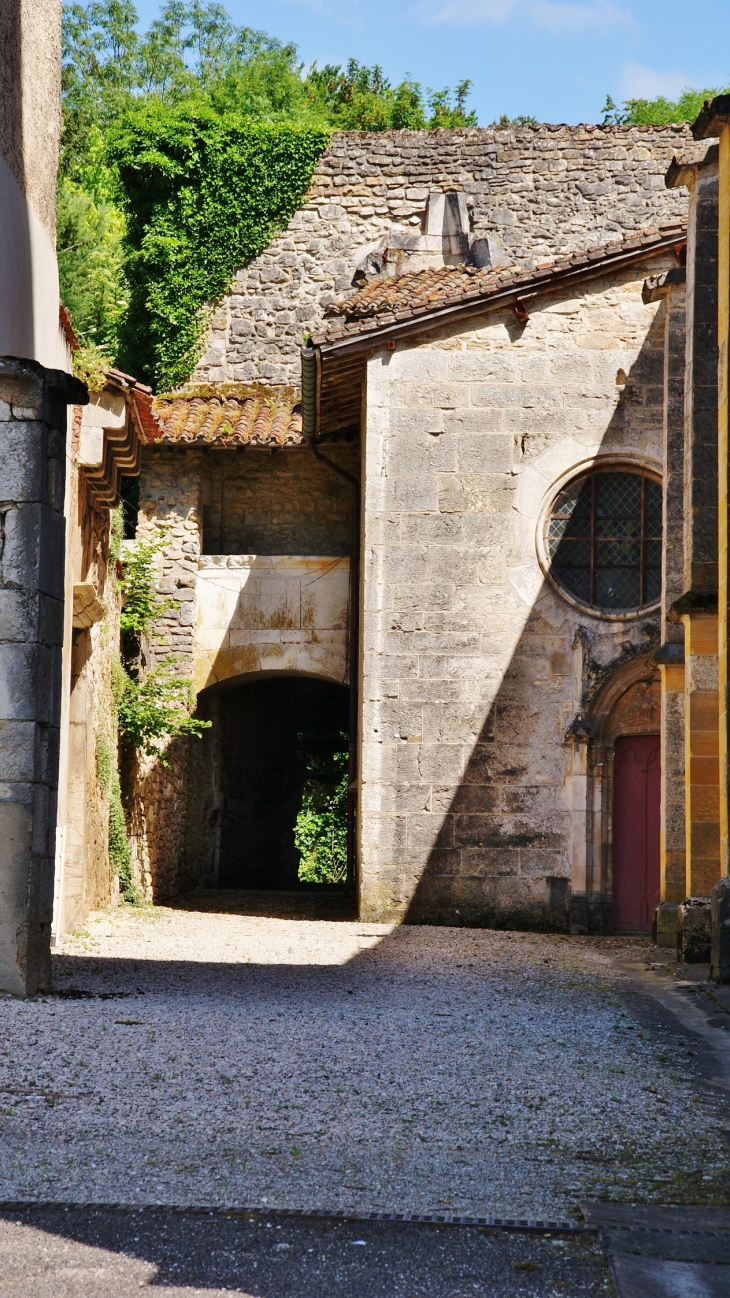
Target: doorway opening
[283, 779]
[636, 827]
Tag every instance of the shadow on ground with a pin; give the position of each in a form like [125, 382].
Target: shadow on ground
[47, 1250]
[318, 901]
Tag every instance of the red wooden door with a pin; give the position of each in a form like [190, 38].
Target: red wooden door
[636, 792]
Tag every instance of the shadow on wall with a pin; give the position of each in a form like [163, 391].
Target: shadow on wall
[511, 846]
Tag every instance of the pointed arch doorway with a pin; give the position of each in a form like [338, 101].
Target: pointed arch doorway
[626, 767]
[636, 801]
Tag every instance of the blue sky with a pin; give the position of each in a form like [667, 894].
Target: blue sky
[554, 59]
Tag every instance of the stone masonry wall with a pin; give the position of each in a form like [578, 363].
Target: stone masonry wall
[32, 478]
[287, 503]
[170, 490]
[673, 829]
[540, 189]
[281, 504]
[471, 658]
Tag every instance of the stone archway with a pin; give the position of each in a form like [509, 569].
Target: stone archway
[248, 772]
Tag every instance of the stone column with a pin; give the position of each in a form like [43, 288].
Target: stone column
[32, 560]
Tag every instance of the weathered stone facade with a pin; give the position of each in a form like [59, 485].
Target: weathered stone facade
[475, 666]
[471, 804]
[84, 877]
[255, 575]
[537, 190]
[32, 473]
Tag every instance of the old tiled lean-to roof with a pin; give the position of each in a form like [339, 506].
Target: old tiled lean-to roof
[237, 414]
[226, 415]
[415, 300]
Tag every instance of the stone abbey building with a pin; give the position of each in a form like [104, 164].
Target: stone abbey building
[438, 525]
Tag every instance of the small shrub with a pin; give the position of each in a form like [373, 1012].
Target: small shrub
[320, 832]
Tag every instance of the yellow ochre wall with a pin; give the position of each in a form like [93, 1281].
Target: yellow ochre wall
[723, 451]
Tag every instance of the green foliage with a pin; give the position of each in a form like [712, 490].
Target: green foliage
[660, 111]
[157, 708]
[184, 150]
[359, 98]
[153, 707]
[90, 233]
[204, 194]
[120, 852]
[320, 832]
[116, 533]
[90, 364]
[141, 605]
[520, 120]
[106, 761]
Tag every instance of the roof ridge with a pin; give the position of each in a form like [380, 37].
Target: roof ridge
[389, 302]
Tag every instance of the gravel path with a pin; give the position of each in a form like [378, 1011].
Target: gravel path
[219, 1058]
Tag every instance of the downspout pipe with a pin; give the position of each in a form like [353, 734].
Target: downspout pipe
[311, 371]
[311, 386]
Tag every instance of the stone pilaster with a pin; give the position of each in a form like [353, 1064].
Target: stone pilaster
[32, 472]
[670, 288]
[702, 792]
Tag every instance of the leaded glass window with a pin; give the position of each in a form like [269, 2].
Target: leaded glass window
[604, 539]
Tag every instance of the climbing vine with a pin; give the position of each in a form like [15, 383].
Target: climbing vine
[203, 195]
[154, 706]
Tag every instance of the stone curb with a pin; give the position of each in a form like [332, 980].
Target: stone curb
[500, 1223]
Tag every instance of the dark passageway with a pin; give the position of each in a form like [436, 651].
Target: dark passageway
[274, 734]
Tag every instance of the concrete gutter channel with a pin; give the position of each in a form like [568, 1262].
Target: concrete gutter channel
[658, 1251]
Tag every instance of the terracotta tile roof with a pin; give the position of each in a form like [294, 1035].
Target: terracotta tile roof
[419, 295]
[228, 414]
[139, 397]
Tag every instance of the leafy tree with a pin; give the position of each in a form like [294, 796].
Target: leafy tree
[520, 120]
[359, 98]
[320, 832]
[169, 180]
[659, 111]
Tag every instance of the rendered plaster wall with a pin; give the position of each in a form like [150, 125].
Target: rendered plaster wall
[84, 878]
[32, 473]
[538, 189]
[30, 128]
[278, 613]
[472, 662]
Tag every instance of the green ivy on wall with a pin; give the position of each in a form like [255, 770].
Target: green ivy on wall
[203, 195]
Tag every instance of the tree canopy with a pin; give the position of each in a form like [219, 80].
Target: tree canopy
[145, 118]
[659, 111]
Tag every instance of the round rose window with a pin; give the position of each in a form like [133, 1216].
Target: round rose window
[604, 539]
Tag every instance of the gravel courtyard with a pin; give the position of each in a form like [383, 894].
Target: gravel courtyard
[198, 1057]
